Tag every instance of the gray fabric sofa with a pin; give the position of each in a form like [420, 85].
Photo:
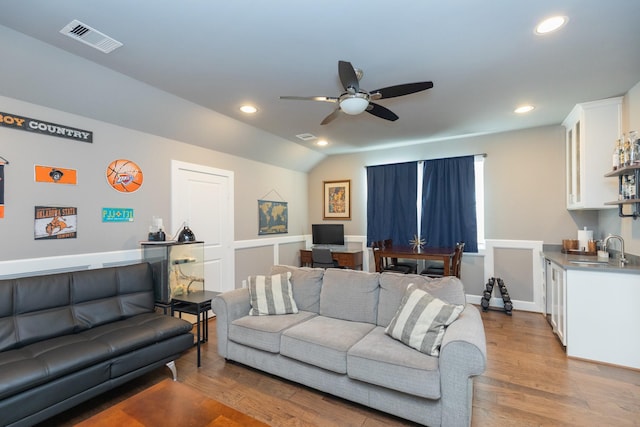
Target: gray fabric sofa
[337, 343]
[67, 337]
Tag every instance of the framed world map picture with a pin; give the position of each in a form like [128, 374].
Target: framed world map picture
[273, 217]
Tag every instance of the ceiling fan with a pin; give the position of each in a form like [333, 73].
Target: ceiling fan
[354, 100]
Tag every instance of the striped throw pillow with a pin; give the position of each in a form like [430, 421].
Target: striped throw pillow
[421, 320]
[271, 295]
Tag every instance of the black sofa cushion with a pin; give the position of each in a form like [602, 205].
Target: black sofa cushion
[47, 360]
[36, 308]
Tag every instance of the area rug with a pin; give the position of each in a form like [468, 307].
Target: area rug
[171, 403]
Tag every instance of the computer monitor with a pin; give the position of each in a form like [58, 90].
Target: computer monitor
[327, 234]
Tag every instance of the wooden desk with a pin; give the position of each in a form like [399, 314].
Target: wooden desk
[442, 254]
[348, 258]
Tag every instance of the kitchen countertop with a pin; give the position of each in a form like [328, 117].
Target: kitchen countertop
[613, 266]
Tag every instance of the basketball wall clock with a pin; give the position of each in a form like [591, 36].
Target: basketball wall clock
[124, 176]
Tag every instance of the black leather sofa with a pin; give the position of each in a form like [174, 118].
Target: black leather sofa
[67, 337]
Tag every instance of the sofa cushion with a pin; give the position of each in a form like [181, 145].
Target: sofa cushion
[264, 332]
[421, 320]
[109, 294]
[306, 283]
[39, 308]
[271, 295]
[350, 295]
[47, 360]
[392, 287]
[323, 341]
[381, 360]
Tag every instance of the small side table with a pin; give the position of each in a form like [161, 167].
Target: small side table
[198, 304]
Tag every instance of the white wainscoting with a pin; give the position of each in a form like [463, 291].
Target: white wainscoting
[58, 264]
[39, 266]
[352, 242]
[535, 246]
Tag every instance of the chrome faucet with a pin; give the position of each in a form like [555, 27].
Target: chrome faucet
[623, 260]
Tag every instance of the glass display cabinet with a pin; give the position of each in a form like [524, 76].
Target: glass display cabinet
[178, 268]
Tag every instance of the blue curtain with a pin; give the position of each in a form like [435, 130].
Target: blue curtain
[449, 203]
[392, 192]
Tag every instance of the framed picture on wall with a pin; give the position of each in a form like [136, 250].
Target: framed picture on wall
[337, 199]
[273, 217]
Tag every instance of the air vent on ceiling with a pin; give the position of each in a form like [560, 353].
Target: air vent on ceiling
[90, 36]
[306, 136]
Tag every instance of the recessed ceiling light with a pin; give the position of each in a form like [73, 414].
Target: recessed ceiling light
[551, 24]
[322, 142]
[249, 109]
[524, 109]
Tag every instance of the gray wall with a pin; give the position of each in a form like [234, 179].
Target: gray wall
[524, 182]
[253, 181]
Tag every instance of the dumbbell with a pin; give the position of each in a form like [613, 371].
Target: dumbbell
[508, 307]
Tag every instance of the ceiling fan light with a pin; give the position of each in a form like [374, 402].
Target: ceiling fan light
[354, 104]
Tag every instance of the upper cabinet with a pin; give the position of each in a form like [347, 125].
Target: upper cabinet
[592, 130]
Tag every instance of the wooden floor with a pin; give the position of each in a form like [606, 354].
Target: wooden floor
[529, 381]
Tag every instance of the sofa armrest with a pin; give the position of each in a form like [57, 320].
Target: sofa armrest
[463, 355]
[228, 307]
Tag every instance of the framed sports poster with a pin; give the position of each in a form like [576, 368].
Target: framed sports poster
[337, 199]
[53, 222]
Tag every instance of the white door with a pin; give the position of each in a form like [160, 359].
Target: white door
[203, 197]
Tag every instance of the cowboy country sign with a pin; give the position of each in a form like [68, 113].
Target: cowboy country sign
[38, 126]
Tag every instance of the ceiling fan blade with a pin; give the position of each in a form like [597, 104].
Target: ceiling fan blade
[348, 76]
[311, 98]
[404, 89]
[382, 112]
[331, 116]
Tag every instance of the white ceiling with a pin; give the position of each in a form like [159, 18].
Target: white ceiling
[482, 56]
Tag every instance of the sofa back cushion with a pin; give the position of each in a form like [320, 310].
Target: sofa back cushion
[109, 294]
[34, 308]
[306, 284]
[393, 285]
[40, 307]
[350, 295]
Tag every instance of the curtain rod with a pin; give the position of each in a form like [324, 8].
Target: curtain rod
[400, 163]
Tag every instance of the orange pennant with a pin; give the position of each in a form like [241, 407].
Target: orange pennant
[55, 175]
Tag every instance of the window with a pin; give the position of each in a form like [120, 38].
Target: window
[437, 207]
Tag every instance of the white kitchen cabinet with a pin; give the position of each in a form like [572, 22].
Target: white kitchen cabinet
[556, 299]
[603, 317]
[592, 129]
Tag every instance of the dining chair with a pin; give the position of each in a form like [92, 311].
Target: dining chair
[411, 265]
[321, 258]
[389, 264]
[454, 268]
